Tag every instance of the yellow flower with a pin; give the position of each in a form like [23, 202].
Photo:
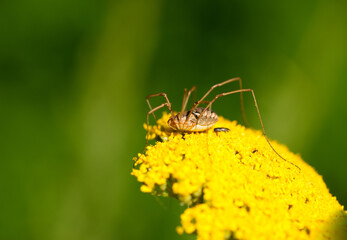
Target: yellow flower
[236, 187]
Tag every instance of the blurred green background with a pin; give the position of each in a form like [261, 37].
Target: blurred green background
[73, 81]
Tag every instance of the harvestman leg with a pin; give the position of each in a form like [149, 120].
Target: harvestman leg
[167, 101]
[151, 112]
[219, 85]
[186, 98]
[256, 105]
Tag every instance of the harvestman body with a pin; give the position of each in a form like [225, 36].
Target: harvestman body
[199, 119]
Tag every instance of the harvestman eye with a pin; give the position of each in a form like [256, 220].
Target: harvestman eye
[199, 119]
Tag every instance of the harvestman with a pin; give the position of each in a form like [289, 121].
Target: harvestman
[199, 119]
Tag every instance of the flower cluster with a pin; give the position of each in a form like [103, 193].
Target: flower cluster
[236, 187]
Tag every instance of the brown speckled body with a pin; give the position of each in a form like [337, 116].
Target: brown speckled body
[199, 120]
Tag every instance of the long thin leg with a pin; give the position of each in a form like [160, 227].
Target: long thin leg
[256, 105]
[167, 100]
[149, 113]
[206, 102]
[186, 98]
[219, 85]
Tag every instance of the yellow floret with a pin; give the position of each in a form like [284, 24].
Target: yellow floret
[237, 187]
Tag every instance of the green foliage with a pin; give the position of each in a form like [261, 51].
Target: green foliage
[74, 75]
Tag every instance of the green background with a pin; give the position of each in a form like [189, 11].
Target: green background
[73, 81]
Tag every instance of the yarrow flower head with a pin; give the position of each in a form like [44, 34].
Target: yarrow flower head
[236, 187]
